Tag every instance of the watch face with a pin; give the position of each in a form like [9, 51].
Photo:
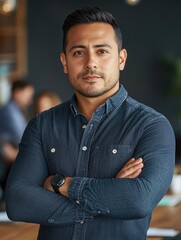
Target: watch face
[57, 180]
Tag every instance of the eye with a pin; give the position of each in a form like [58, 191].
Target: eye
[102, 51]
[78, 53]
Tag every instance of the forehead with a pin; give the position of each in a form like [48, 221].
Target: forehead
[90, 32]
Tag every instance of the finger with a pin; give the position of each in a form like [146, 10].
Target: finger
[125, 172]
[135, 174]
[131, 167]
[132, 162]
[132, 170]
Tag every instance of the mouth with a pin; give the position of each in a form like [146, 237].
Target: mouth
[91, 78]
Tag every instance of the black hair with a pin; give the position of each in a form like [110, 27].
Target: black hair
[20, 85]
[90, 15]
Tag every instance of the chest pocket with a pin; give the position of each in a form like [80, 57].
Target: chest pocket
[60, 159]
[108, 160]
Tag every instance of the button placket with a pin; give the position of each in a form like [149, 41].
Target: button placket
[82, 168]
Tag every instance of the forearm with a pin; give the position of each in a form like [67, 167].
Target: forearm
[29, 203]
[117, 198]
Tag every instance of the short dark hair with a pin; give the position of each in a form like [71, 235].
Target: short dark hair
[90, 15]
[20, 85]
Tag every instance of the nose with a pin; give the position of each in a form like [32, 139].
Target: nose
[91, 62]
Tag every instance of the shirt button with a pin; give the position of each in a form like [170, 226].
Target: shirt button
[51, 220]
[84, 126]
[114, 151]
[81, 222]
[84, 148]
[53, 150]
[77, 202]
[98, 212]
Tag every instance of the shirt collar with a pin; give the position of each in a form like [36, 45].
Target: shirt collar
[116, 100]
[110, 104]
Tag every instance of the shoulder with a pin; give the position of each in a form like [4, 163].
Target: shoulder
[9, 108]
[148, 119]
[144, 110]
[7, 112]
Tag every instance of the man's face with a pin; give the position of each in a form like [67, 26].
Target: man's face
[24, 96]
[92, 60]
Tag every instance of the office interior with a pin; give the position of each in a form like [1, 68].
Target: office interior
[31, 42]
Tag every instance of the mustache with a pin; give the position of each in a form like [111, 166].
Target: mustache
[90, 72]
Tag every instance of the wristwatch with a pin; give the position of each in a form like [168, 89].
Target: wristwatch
[57, 181]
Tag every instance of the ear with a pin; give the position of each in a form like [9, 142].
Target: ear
[64, 62]
[122, 57]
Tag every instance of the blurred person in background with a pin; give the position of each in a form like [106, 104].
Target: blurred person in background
[46, 100]
[13, 120]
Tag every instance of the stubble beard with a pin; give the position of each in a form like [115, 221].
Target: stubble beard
[91, 91]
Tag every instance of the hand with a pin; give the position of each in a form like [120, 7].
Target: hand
[47, 184]
[131, 169]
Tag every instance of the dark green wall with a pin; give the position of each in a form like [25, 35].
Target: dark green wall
[150, 30]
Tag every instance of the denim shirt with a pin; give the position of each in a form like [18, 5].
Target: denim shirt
[100, 206]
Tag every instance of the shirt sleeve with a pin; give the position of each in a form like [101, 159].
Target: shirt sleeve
[26, 199]
[132, 198]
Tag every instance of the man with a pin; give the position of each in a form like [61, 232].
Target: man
[13, 115]
[13, 122]
[73, 175]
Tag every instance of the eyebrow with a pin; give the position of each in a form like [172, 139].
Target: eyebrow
[95, 46]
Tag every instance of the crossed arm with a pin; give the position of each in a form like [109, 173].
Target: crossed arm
[142, 193]
[131, 169]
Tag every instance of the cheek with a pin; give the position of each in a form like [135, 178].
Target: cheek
[73, 69]
[72, 75]
[110, 63]
[111, 68]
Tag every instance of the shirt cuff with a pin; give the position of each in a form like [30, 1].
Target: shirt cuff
[76, 188]
[81, 194]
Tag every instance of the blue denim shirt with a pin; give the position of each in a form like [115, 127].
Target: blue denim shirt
[100, 206]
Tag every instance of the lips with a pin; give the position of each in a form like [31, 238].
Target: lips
[91, 77]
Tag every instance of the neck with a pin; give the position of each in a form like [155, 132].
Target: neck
[88, 105]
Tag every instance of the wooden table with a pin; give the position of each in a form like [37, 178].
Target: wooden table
[18, 231]
[166, 217]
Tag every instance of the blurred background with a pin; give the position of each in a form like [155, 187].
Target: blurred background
[31, 41]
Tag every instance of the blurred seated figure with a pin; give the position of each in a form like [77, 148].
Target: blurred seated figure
[46, 100]
[13, 120]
